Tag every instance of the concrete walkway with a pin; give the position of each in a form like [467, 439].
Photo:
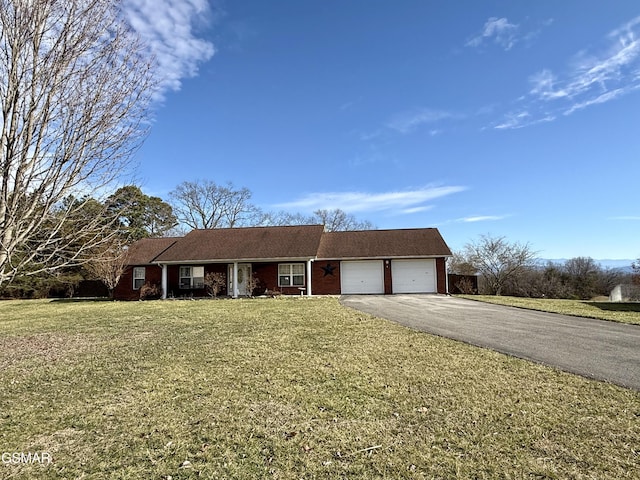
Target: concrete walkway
[596, 349]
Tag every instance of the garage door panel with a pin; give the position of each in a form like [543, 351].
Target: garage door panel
[362, 276]
[413, 276]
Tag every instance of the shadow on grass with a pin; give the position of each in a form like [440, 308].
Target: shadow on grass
[617, 306]
[82, 300]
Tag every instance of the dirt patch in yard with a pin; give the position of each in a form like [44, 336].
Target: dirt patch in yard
[42, 347]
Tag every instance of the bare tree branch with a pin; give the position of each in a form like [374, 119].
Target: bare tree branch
[498, 260]
[204, 204]
[338, 220]
[75, 86]
[108, 264]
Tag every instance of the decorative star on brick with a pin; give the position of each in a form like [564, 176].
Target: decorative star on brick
[328, 270]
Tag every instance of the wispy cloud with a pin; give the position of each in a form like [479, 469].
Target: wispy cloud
[474, 219]
[505, 34]
[482, 218]
[405, 201]
[409, 121]
[497, 30]
[408, 211]
[592, 77]
[170, 29]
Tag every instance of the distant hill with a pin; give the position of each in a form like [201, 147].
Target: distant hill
[622, 265]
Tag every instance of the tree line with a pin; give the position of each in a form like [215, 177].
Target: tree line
[76, 94]
[95, 235]
[512, 268]
[204, 204]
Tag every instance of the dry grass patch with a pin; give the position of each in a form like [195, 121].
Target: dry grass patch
[615, 312]
[296, 388]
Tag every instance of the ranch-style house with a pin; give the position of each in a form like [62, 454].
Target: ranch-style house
[291, 260]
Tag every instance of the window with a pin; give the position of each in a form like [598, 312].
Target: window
[138, 277]
[291, 275]
[191, 277]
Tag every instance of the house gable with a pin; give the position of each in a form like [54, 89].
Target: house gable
[145, 250]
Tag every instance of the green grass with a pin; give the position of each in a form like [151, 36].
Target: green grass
[289, 388]
[615, 312]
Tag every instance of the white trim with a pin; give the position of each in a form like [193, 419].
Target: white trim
[238, 260]
[309, 277]
[291, 274]
[446, 277]
[143, 278]
[234, 284]
[192, 277]
[232, 278]
[385, 257]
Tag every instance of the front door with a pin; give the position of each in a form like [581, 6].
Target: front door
[244, 274]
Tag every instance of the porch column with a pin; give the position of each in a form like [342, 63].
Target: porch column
[234, 285]
[446, 275]
[309, 277]
[164, 281]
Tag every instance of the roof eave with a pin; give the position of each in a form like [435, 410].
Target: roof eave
[385, 257]
[233, 260]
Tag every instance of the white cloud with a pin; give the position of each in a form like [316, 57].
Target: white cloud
[407, 201]
[605, 97]
[169, 27]
[543, 84]
[482, 218]
[592, 77]
[407, 122]
[499, 30]
[408, 211]
[514, 120]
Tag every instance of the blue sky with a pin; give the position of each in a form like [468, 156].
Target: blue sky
[516, 119]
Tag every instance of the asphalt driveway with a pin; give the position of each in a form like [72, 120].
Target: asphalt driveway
[596, 349]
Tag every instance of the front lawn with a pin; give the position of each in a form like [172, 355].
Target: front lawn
[615, 312]
[289, 388]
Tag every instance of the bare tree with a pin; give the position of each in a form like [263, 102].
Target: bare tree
[459, 265]
[252, 283]
[333, 220]
[204, 204]
[75, 86]
[498, 260]
[337, 220]
[283, 218]
[583, 273]
[635, 268]
[108, 263]
[215, 282]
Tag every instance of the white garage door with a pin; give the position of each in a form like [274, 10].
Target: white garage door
[363, 276]
[413, 276]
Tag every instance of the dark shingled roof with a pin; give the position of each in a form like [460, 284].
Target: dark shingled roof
[144, 251]
[251, 243]
[290, 242]
[419, 242]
